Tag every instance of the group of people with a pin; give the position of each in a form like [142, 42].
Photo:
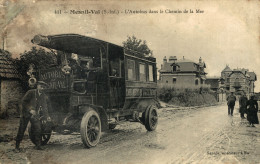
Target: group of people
[248, 107]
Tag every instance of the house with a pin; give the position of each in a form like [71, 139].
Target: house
[182, 72]
[238, 80]
[213, 82]
[10, 86]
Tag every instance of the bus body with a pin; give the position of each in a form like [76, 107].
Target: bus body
[96, 85]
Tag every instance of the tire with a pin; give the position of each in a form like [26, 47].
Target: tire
[90, 128]
[151, 118]
[112, 126]
[45, 136]
[142, 119]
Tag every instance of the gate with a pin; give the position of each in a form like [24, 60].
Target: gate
[221, 97]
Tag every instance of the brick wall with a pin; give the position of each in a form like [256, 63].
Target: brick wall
[11, 93]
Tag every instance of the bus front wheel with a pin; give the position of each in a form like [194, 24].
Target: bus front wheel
[90, 128]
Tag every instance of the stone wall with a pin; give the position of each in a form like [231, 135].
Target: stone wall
[183, 79]
[11, 93]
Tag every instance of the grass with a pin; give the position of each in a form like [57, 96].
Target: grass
[183, 95]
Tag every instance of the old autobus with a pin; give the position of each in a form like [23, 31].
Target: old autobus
[95, 85]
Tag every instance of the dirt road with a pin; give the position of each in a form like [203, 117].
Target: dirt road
[203, 135]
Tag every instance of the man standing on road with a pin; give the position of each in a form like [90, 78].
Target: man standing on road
[34, 106]
[231, 100]
[242, 104]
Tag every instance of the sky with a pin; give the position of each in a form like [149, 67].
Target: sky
[226, 33]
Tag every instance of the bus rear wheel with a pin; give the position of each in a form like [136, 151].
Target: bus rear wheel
[151, 118]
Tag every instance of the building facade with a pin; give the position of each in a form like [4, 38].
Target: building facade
[213, 82]
[238, 80]
[182, 72]
[10, 87]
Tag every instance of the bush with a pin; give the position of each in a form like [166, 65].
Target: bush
[182, 95]
[39, 57]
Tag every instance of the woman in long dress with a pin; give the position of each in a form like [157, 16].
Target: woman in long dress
[252, 108]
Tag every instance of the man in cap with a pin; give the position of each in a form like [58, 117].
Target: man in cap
[34, 106]
[231, 100]
[242, 104]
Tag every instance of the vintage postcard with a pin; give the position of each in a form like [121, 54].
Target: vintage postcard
[117, 81]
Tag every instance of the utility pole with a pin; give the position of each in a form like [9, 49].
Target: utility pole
[4, 37]
[3, 43]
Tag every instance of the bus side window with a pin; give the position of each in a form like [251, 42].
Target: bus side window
[115, 68]
[131, 70]
[151, 76]
[142, 72]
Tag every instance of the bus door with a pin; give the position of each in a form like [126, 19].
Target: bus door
[117, 83]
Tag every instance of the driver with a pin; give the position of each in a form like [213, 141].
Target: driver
[86, 67]
[34, 107]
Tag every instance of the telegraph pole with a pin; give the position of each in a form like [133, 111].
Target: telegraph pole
[4, 37]
[3, 43]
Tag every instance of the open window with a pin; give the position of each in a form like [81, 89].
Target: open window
[151, 73]
[131, 70]
[174, 80]
[86, 63]
[196, 82]
[175, 67]
[142, 72]
[115, 68]
[79, 87]
[115, 59]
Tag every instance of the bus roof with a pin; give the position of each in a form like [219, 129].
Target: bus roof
[79, 44]
[71, 43]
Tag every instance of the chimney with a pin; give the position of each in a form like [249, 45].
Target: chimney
[200, 60]
[173, 59]
[164, 60]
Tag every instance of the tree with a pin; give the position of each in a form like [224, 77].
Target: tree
[40, 58]
[5, 53]
[138, 45]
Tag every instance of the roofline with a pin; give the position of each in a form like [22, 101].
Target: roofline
[42, 40]
[144, 59]
[62, 35]
[181, 72]
[236, 72]
[212, 78]
[187, 62]
[9, 78]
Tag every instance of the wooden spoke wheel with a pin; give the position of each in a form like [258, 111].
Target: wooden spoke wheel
[90, 128]
[151, 118]
[45, 135]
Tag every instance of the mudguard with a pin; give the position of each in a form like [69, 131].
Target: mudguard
[101, 111]
[142, 104]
